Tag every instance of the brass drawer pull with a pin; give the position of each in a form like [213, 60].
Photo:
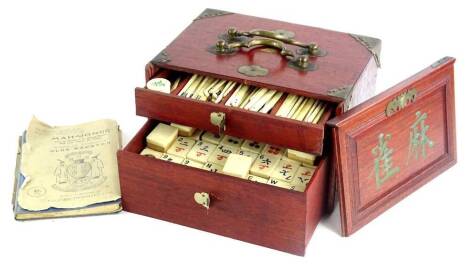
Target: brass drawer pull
[202, 198]
[234, 40]
[218, 119]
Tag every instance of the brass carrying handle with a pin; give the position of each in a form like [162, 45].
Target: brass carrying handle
[311, 48]
[222, 45]
[234, 40]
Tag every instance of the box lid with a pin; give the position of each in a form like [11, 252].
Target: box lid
[390, 145]
[336, 63]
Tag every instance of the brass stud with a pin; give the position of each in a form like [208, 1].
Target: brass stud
[312, 48]
[232, 32]
[302, 61]
[220, 46]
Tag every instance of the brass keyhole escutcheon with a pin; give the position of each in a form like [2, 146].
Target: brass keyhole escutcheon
[203, 198]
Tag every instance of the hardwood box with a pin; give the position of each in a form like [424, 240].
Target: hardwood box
[254, 212]
[371, 154]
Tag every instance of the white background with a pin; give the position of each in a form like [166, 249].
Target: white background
[73, 62]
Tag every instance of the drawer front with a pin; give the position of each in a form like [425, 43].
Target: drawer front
[250, 212]
[253, 212]
[241, 123]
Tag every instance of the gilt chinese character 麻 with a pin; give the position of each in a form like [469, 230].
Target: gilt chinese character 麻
[419, 141]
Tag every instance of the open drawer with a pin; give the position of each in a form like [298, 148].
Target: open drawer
[240, 122]
[258, 213]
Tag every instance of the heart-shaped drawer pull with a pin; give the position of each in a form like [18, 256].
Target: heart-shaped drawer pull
[218, 119]
[203, 199]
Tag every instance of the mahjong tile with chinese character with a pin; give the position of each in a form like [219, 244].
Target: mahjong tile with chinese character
[181, 146]
[220, 155]
[264, 165]
[201, 151]
[303, 175]
[285, 170]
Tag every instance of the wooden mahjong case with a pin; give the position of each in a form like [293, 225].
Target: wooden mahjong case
[370, 151]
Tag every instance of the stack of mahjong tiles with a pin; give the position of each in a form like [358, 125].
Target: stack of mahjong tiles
[230, 155]
[206, 88]
[302, 109]
[251, 98]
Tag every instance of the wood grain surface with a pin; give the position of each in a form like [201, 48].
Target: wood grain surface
[342, 66]
[303, 136]
[373, 179]
[258, 213]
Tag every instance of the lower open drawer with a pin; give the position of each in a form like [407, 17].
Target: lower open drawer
[266, 215]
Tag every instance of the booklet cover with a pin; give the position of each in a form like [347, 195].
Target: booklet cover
[67, 170]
